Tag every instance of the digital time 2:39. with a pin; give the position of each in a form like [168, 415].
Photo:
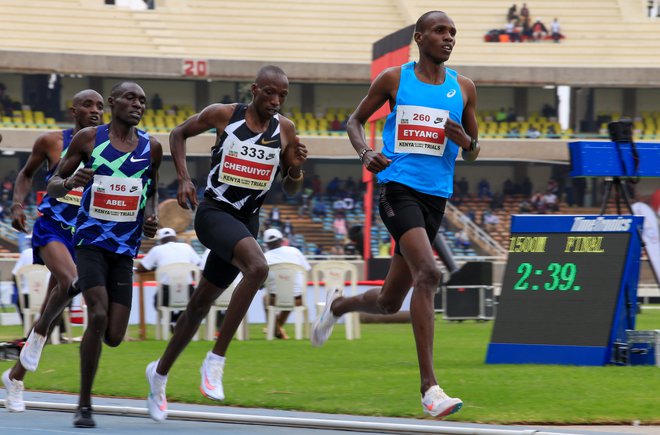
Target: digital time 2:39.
[556, 276]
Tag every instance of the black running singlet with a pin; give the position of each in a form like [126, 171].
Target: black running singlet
[244, 164]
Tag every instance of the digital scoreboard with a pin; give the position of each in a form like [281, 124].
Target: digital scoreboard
[569, 289]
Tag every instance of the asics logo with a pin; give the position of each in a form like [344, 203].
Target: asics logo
[451, 93]
[134, 160]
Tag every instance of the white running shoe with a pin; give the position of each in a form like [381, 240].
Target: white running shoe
[212, 371]
[326, 321]
[31, 352]
[156, 400]
[14, 401]
[436, 403]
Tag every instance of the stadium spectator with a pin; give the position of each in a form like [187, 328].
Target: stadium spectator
[524, 15]
[462, 239]
[483, 189]
[512, 14]
[6, 103]
[339, 226]
[555, 30]
[275, 219]
[279, 253]
[500, 115]
[514, 36]
[287, 228]
[319, 209]
[168, 251]
[490, 220]
[533, 132]
[539, 31]
[156, 102]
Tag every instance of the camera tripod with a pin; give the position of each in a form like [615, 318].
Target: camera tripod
[620, 193]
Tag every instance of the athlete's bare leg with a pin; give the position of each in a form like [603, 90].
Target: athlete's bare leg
[418, 266]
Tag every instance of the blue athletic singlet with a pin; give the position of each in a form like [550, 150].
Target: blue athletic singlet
[112, 205]
[244, 165]
[414, 136]
[62, 210]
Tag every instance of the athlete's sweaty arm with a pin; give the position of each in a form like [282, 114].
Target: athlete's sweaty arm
[151, 208]
[382, 90]
[79, 151]
[214, 116]
[467, 134]
[294, 154]
[45, 149]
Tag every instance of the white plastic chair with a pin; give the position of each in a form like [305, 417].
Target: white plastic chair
[179, 276]
[34, 278]
[284, 278]
[221, 304]
[335, 273]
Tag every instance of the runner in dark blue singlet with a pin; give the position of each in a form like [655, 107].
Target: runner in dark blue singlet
[52, 235]
[119, 181]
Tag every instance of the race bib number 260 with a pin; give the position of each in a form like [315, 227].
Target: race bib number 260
[420, 130]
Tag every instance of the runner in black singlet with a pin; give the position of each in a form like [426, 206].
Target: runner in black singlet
[254, 143]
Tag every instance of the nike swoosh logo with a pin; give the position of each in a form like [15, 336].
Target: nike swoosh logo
[429, 406]
[207, 384]
[134, 160]
[437, 122]
[266, 142]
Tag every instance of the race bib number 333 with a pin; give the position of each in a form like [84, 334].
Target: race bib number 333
[420, 130]
[115, 199]
[248, 165]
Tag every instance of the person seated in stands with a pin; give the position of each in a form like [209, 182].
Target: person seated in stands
[526, 32]
[462, 239]
[539, 31]
[484, 189]
[385, 247]
[338, 204]
[508, 188]
[555, 30]
[537, 202]
[551, 131]
[490, 220]
[335, 125]
[511, 115]
[287, 229]
[548, 111]
[497, 202]
[549, 200]
[6, 103]
[526, 206]
[337, 249]
[533, 132]
[333, 187]
[511, 30]
[275, 217]
[513, 132]
[500, 115]
[156, 102]
[319, 209]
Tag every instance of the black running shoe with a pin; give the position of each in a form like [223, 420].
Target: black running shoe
[83, 417]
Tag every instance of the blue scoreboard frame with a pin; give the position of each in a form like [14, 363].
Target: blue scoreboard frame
[569, 290]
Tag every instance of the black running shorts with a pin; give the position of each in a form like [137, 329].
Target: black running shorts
[98, 267]
[402, 208]
[220, 231]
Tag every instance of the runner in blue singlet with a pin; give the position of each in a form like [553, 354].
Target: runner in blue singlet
[432, 118]
[52, 235]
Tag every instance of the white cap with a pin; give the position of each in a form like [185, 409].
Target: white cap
[165, 232]
[272, 234]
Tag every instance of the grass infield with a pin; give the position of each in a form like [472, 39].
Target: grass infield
[376, 375]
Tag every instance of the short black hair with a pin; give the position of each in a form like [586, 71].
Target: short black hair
[420, 25]
[268, 71]
[117, 89]
[81, 96]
